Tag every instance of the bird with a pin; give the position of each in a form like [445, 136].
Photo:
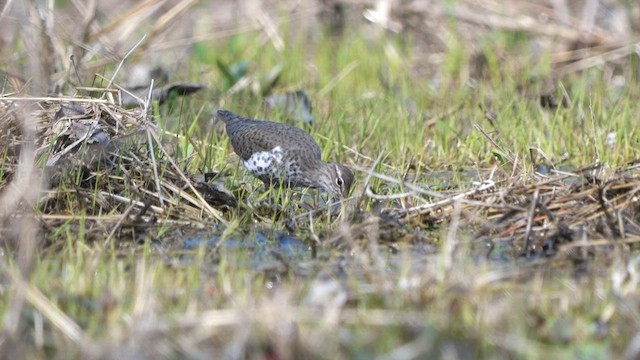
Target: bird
[279, 153]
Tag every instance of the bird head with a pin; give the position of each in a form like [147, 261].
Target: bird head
[337, 180]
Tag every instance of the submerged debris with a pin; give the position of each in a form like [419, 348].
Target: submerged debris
[215, 193]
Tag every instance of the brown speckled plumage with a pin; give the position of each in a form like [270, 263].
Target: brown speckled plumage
[288, 152]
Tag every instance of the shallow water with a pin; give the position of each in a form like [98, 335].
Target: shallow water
[260, 247]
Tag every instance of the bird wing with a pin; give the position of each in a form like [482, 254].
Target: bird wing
[253, 136]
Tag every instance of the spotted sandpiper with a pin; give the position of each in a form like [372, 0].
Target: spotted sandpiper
[275, 152]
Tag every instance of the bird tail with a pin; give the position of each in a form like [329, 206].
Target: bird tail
[227, 116]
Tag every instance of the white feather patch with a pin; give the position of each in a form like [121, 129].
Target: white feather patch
[265, 162]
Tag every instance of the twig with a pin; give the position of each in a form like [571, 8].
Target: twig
[367, 181]
[205, 204]
[172, 14]
[495, 144]
[417, 210]
[532, 212]
[596, 60]
[145, 115]
[118, 224]
[271, 31]
[156, 209]
[180, 192]
[115, 73]
[53, 99]
[408, 185]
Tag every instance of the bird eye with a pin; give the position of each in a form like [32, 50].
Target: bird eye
[339, 182]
